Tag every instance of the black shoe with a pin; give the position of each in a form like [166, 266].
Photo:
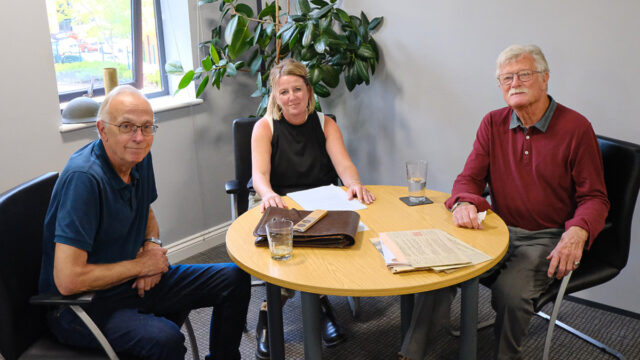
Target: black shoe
[262, 337]
[331, 333]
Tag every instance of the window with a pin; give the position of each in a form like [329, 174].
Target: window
[90, 35]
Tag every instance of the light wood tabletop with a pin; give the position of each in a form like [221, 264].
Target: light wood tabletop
[360, 270]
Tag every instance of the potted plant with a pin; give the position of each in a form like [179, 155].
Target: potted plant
[326, 39]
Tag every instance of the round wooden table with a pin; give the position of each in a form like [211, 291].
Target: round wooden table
[360, 270]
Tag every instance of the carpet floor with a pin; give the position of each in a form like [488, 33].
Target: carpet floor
[375, 334]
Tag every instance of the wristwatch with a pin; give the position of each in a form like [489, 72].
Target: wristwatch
[154, 240]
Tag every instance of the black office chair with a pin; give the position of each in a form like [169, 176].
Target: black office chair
[23, 330]
[237, 188]
[610, 250]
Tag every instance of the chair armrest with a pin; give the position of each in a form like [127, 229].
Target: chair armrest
[232, 187]
[54, 299]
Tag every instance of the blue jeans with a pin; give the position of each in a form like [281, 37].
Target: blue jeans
[148, 327]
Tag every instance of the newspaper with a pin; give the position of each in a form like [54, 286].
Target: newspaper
[426, 249]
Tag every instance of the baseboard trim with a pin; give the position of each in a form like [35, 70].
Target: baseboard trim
[604, 307]
[194, 244]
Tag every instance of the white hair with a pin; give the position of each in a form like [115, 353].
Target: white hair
[515, 52]
[103, 112]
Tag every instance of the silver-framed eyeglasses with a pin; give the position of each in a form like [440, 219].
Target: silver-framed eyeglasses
[523, 75]
[130, 129]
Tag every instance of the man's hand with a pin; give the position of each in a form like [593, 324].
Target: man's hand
[566, 256]
[145, 283]
[357, 190]
[466, 215]
[154, 261]
[274, 200]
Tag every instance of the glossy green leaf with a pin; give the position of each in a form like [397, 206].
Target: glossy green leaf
[186, 79]
[285, 28]
[217, 76]
[259, 81]
[303, 6]
[298, 18]
[239, 64]
[238, 42]
[321, 90]
[343, 16]
[262, 108]
[222, 5]
[374, 47]
[320, 45]
[374, 24]
[287, 35]
[207, 63]
[322, 12]
[364, 19]
[308, 33]
[315, 75]
[269, 29]
[372, 66]
[202, 86]
[214, 54]
[340, 59]
[268, 11]
[244, 9]
[366, 52]
[203, 2]
[174, 68]
[330, 75]
[308, 53]
[362, 69]
[231, 69]
[257, 31]
[231, 29]
[320, 3]
[255, 64]
[224, 13]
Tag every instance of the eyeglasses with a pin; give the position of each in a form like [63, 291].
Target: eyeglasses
[130, 129]
[523, 75]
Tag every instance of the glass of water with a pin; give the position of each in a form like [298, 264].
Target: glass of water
[280, 236]
[417, 179]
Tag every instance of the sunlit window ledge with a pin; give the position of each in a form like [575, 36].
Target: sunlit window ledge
[159, 104]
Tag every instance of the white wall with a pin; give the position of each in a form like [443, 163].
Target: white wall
[437, 80]
[434, 84]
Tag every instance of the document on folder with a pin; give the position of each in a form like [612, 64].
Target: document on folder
[328, 197]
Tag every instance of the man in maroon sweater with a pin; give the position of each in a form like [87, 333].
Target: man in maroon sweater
[544, 169]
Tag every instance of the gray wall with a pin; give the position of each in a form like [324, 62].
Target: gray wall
[437, 80]
[435, 83]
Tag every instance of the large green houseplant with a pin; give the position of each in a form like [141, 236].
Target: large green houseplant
[326, 39]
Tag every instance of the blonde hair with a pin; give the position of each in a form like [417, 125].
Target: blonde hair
[287, 67]
[514, 52]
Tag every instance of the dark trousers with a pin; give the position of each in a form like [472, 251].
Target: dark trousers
[147, 327]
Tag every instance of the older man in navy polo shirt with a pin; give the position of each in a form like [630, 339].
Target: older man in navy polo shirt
[101, 235]
[544, 168]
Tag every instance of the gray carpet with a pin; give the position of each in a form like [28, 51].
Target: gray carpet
[375, 334]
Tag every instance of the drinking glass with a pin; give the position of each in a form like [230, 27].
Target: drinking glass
[417, 179]
[280, 236]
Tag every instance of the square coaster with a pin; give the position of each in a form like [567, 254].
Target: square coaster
[411, 203]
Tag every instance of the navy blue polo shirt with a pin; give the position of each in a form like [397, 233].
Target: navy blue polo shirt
[92, 209]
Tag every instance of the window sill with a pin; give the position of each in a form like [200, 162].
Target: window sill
[159, 104]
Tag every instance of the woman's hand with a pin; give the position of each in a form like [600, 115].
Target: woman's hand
[274, 200]
[357, 190]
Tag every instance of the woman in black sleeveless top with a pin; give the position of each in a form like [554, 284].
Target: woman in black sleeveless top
[292, 149]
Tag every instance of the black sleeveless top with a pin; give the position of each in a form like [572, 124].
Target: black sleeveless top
[299, 158]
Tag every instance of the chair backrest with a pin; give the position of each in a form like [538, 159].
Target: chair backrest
[622, 177]
[22, 213]
[242, 129]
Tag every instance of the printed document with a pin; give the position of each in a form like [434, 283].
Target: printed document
[328, 197]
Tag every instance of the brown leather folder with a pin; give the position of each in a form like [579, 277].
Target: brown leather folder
[337, 229]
